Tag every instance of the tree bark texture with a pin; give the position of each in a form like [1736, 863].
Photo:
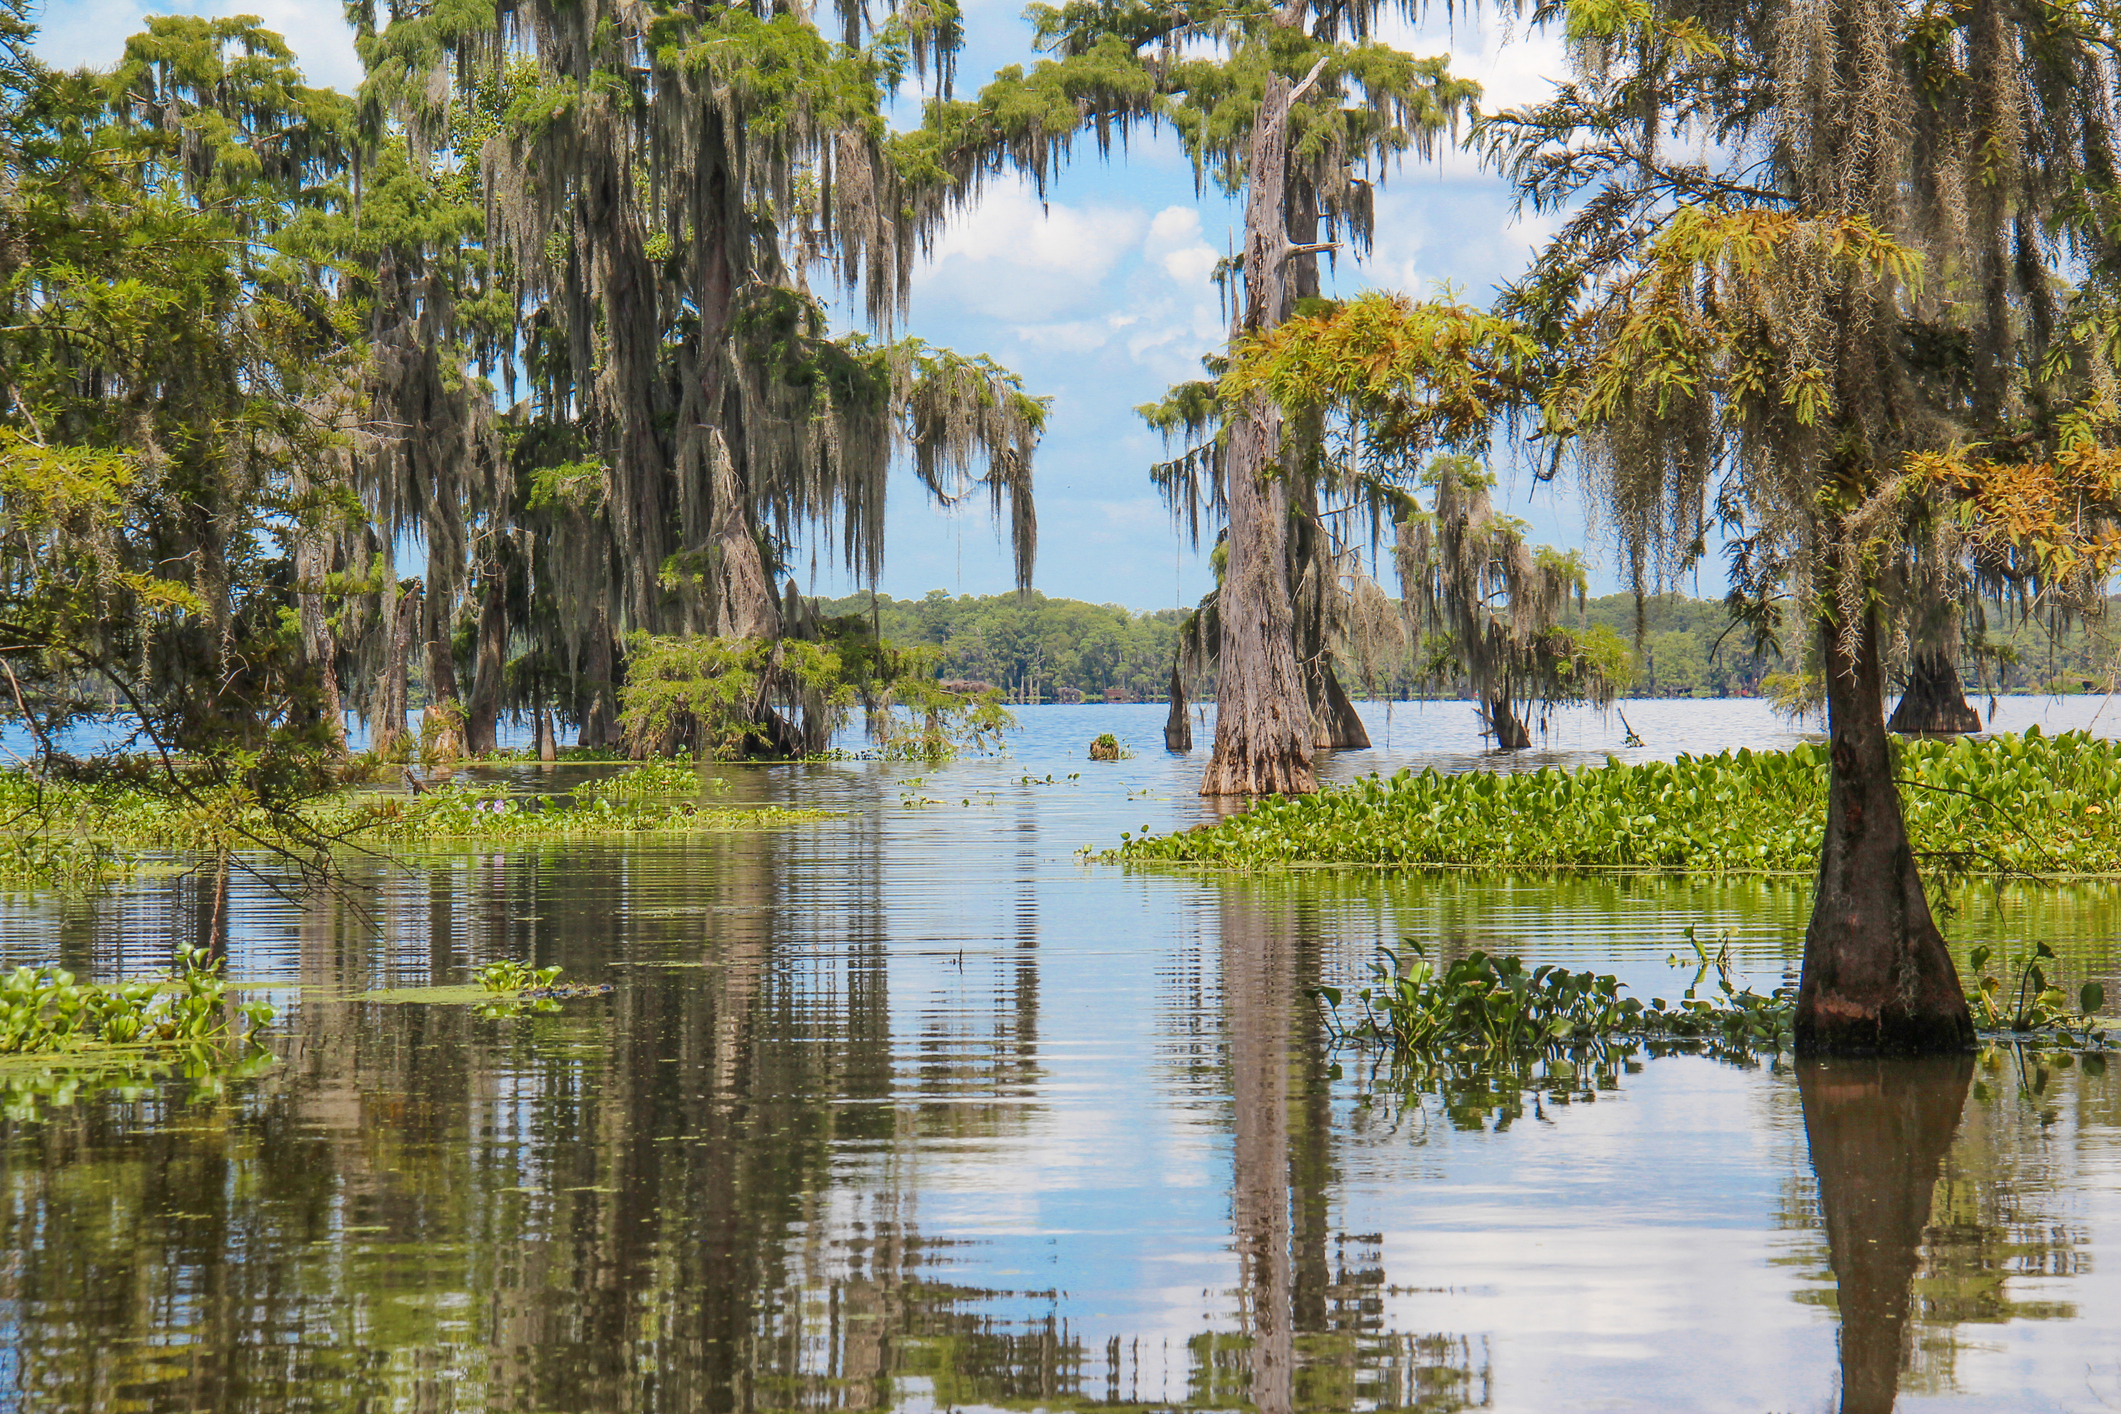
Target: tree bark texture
[1262, 717]
[1877, 976]
[1178, 727]
[482, 723]
[1508, 731]
[745, 605]
[318, 644]
[389, 730]
[1934, 702]
[1338, 727]
[1879, 1130]
[445, 707]
[599, 713]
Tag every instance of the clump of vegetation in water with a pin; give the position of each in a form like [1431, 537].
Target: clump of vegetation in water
[76, 834]
[70, 862]
[738, 698]
[44, 1011]
[2031, 804]
[1483, 1003]
[1107, 748]
[517, 987]
[655, 797]
[2033, 1002]
[1486, 1003]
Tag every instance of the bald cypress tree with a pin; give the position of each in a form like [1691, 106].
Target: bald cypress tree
[656, 186]
[1790, 331]
[1301, 110]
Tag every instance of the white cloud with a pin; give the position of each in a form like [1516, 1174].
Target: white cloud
[1174, 243]
[1014, 257]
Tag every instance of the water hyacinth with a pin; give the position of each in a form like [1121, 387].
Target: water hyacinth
[47, 1011]
[2033, 804]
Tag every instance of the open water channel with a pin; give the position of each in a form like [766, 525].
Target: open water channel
[917, 1109]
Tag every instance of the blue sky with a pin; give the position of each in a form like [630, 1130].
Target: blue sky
[1099, 297]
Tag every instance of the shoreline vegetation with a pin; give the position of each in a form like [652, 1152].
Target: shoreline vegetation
[78, 835]
[2031, 804]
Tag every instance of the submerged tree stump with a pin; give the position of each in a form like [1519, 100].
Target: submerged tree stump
[1509, 732]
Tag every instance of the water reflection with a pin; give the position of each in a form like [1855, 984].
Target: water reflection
[1310, 1298]
[920, 1112]
[1878, 1132]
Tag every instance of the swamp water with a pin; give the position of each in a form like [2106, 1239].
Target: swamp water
[916, 1109]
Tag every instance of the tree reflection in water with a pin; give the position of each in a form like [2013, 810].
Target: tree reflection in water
[718, 1189]
[1313, 1334]
[1879, 1131]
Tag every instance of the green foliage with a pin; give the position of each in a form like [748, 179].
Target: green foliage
[2032, 804]
[80, 834]
[508, 975]
[1407, 377]
[46, 1011]
[1060, 648]
[514, 988]
[2034, 1001]
[69, 863]
[1481, 1004]
[619, 805]
[727, 698]
[1485, 1003]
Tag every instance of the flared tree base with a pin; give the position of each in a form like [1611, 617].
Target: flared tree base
[1934, 704]
[1509, 733]
[1878, 979]
[1232, 772]
[1178, 727]
[1339, 728]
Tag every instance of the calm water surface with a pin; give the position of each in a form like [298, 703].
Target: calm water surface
[917, 1109]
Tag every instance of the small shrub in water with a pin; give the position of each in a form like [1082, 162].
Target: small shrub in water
[1486, 1003]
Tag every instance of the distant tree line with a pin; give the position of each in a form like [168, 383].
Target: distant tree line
[1035, 648]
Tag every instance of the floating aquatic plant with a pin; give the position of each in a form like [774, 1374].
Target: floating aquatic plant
[2031, 804]
[1482, 1002]
[50, 1010]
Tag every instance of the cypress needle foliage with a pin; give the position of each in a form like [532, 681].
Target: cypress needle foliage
[656, 186]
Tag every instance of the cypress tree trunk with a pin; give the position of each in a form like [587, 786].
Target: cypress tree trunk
[1178, 727]
[599, 714]
[482, 723]
[1878, 1130]
[445, 709]
[1877, 977]
[1510, 734]
[389, 732]
[318, 644]
[1934, 701]
[1262, 718]
[1338, 726]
